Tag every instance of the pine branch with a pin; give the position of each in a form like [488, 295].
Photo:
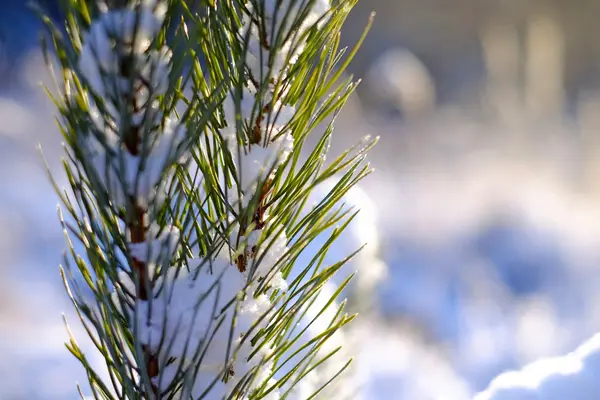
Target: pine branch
[185, 128]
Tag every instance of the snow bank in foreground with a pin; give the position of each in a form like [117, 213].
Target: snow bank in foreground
[574, 376]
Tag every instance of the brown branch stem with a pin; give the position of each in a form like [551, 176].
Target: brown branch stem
[137, 232]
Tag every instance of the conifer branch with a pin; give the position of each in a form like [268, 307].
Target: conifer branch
[185, 127]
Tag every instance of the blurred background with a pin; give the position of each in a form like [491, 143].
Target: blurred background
[483, 215]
